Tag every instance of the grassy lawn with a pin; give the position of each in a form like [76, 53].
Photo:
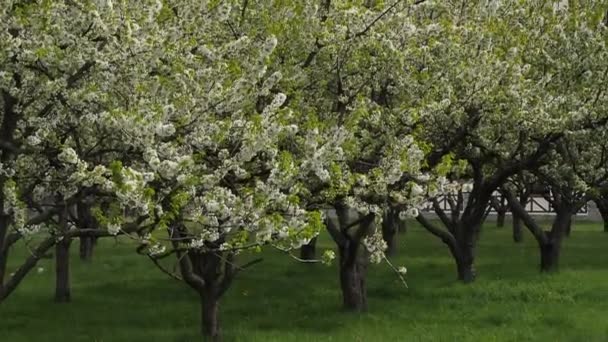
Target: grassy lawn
[122, 297]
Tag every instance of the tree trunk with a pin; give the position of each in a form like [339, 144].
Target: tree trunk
[62, 271]
[87, 243]
[210, 326]
[309, 250]
[3, 262]
[390, 228]
[3, 249]
[549, 256]
[466, 262]
[518, 232]
[352, 279]
[569, 227]
[390, 237]
[602, 207]
[551, 247]
[500, 218]
[210, 275]
[86, 220]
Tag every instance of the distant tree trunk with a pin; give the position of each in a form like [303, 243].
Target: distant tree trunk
[402, 226]
[86, 220]
[390, 229]
[352, 278]
[602, 207]
[308, 251]
[500, 218]
[62, 271]
[86, 248]
[390, 237]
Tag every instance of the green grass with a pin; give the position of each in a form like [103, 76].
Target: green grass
[122, 297]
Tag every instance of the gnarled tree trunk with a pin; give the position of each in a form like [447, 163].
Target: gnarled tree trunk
[461, 243]
[210, 274]
[549, 242]
[348, 234]
[551, 245]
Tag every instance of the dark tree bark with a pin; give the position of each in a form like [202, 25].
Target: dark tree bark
[549, 242]
[3, 246]
[36, 254]
[86, 220]
[462, 251]
[501, 208]
[7, 130]
[348, 234]
[402, 226]
[602, 206]
[210, 274]
[210, 325]
[466, 264]
[462, 228]
[550, 248]
[208, 268]
[390, 230]
[352, 278]
[518, 233]
[568, 227]
[87, 245]
[309, 250]
[62, 271]
[549, 256]
[62, 260]
[500, 218]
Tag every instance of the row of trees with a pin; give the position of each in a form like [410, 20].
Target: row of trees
[202, 129]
